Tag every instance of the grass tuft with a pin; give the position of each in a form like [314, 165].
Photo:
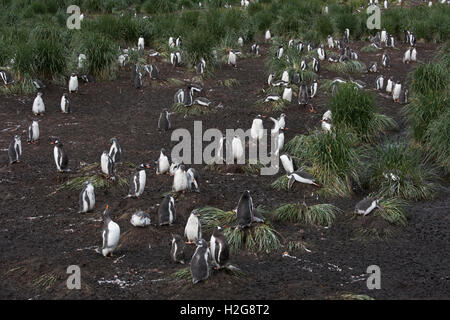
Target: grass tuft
[319, 214]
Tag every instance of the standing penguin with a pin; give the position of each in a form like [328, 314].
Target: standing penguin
[33, 132]
[303, 94]
[316, 65]
[244, 211]
[347, 35]
[107, 165]
[87, 197]
[164, 120]
[257, 129]
[200, 268]
[73, 83]
[407, 56]
[280, 141]
[180, 179]
[268, 35]
[15, 150]
[367, 205]
[115, 151]
[389, 85]
[193, 179]
[232, 58]
[285, 76]
[380, 82]
[219, 248]
[313, 89]
[396, 92]
[385, 60]
[177, 249]
[60, 156]
[321, 52]
[330, 42]
[162, 164]
[237, 149]
[38, 105]
[137, 182]
[152, 71]
[110, 234]
[287, 93]
[279, 52]
[414, 54]
[65, 104]
[6, 77]
[141, 43]
[166, 211]
[138, 80]
[193, 229]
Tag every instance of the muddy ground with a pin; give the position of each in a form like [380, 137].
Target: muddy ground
[42, 234]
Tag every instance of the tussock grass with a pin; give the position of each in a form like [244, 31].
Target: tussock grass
[429, 78]
[352, 296]
[397, 170]
[229, 83]
[183, 274]
[192, 110]
[393, 211]
[369, 48]
[281, 183]
[175, 82]
[271, 106]
[211, 217]
[437, 137]
[45, 282]
[319, 214]
[351, 66]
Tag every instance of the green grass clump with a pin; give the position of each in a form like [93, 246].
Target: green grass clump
[369, 48]
[211, 217]
[351, 66]
[393, 211]
[437, 138]
[413, 177]
[183, 274]
[281, 183]
[230, 83]
[192, 110]
[429, 78]
[319, 214]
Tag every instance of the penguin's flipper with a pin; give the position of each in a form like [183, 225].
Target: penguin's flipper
[291, 181]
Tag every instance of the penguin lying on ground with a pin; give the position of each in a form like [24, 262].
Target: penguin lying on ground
[140, 219]
[367, 205]
[301, 176]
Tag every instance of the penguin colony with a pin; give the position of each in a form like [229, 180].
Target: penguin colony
[216, 252]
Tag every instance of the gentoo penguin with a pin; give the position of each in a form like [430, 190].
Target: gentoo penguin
[287, 93]
[412, 39]
[87, 197]
[232, 58]
[257, 129]
[285, 76]
[303, 94]
[254, 49]
[316, 65]
[87, 78]
[15, 150]
[389, 85]
[200, 268]
[414, 54]
[178, 42]
[237, 149]
[385, 61]
[280, 141]
[240, 41]
[282, 121]
[141, 43]
[33, 132]
[173, 59]
[166, 211]
[406, 34]
[367, 205]
[373, 67]
[73, 83]
[303, 65]
[347, 35]
[326, 125]
[107, 165]
[137, 182]
[201, 101]
[38, 105]
[115, 151]
[180, 179]
[267, 36]
[152, 71]
[279, 52]
[404, 96]
[353, 55]
[327, 115]
[164, 120]
[386, 4]
[81, 60]
[313, 89]
[171, 42]
[6, 77]
[173, 167]
[138, 80]
[296, 78]
[301, 176]
[60, 156]
[244, 211]
[122, 59]
[110, 234]
[200, 68]
[177, 249]
[380, 82]
[396, 91]
[65, 104]
[321, 52]
[287, 163]
[330, 42]
[162, 164]
[407, 56]
[179, 96]
[193, 179]
[219, 248]
[383, 37]
[140, 219]
[178, 55]
[300, 46]
[38, 84]
[193, 229]
[391, 41]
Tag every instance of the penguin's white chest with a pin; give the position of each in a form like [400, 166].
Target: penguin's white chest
[113, 238]
[268, 35]
[232, 58]
[285, 76]
[38, 105]
[73, 84]
[142, 181]
[287, 164]
[326, 126]
[280, 141]
[104, 164]
[213, 248]
[237, 149]
[63, 104]
[257, 130]
[373, 205]
[141, 43]
[163, 164]
[56, 156]
[192, 231]
[180, 181]
[91, 195]
[389, 86]
[18, 145]
[35, 130]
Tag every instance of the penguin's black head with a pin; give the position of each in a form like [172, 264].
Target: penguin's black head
[195, 212]
[113, 140]
[201, 243]
[181, 167]
[163, 151]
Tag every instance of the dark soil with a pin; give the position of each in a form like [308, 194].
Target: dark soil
[42, 233]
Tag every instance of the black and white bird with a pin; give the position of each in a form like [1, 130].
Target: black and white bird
[38, 84]
[6, 77]
[321, 52]
[141, 43]
[60, 156]
[201, 66]
[287, 94]
[267, 35]
[272, 97]
[138, 80]
[303, 65]
[33, 132]
[162, 164]
[301, 176]
[166, 211]
[413, 54]
[164, 120]
[279, 52]
[347, 35]
[65, 104]
[373, 67]
[107, 165]
[219, 248]
[287, 163]
[200, 268]
[257, 128]
[390, 85]
[173, 59]
[380, 82]
[313, 89]
[179, 42]
[326, 125]
[15, 150]
[110, 234]
[237, 149]
[330, 42]
[87, 197]
[396, 91]
[385, 60]
[115, 151]
[193, 229]
[254, 49]
[316, 65]
[137, 181]
[244, 210]
[407, 56]
[367, 205]
[152, 71]
[193, 179]
[73, 83]
[38, 105]
[303, 96]
[180, 179]
[232, 58]
[179, 96]
[177, 249]
[140, 219]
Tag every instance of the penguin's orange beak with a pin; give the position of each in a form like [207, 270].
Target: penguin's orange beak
[147, 166]
[286, 128]
[51, 142]
[107, 206]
